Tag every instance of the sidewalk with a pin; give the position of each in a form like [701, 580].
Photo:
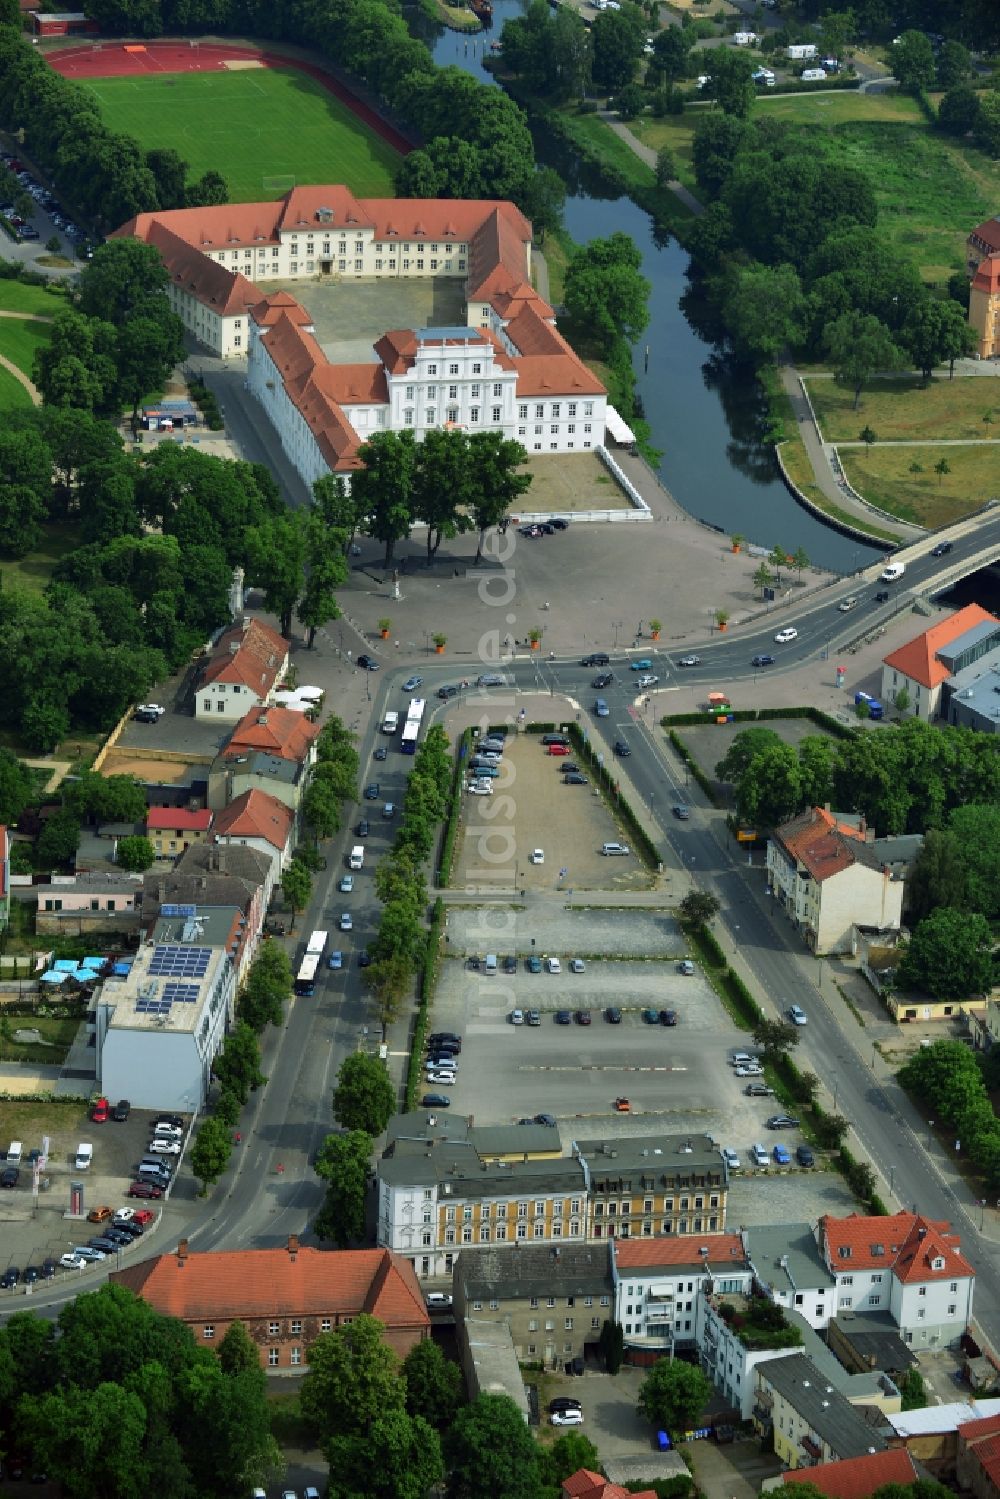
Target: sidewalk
[648, 155]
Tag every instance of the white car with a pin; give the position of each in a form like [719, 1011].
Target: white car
[167, 1132]
[538, 856]
[517, 1017]
[441, 1077]
[479, 788]
[731, 1158]
[571, 1417]
[73, 1261]
[552, 965]
[846, 605]
[741, 1059]
[648, 681]
[346, 924]
[346, 884]
[437, 1301]
[749, 1069]
[159, 1146]
[759, 1155]
[786, 635]
[797, 1015]
[124, 1215]
[155, 708]
[576, 965]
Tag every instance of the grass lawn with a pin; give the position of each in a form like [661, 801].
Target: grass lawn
[33, 572]
[263, 125]
[31, 1119]
[16, 296]
[19, 339]
[902, 410]
[57, 1037]
[882, 475]
[12, 392]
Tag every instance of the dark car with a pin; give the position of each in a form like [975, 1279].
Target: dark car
[31, 1275]
[446, 1036]
[668, 1017]
[596, 658]
[622, 748]
[758, 1090]
[174, 1120]
[681, 811]
[582, 1017]
[569, 768]
[381, 753]
[9, 1176]
[435, 1101]
[558, 523]
[613, 1015]
[882, 597]
[447, 691]
[510, 963]
[554, 739]
[372, 792]
[364, 958]
[563, 1017]
[362, 830]
[651, 1017]
[762, 661]
[782, 1121]
[121, 1111]
[48, 1269]
[132, 1229]
[368, 663]
[804, 1156]
[533, 964]
[942, 549]
[145, 1189]
[563, 1403]
[549, 1120]
[603, 679]
[576, 779]
[10, 1278]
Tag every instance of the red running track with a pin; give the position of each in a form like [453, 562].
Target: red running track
[113, 60]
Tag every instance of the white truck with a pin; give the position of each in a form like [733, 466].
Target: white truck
[356, 858]
[84, 1156]
[390, 723]
[893, 572]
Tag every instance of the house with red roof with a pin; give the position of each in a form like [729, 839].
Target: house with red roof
[978, 1459]
[173, 829]
[285, 1297]
[241, 672]
[256, 820]
[583, 1484]
[657, 1283]
[925, 665]
[904, 1264]
[854, 1477]
[273, 750]
[830, 877]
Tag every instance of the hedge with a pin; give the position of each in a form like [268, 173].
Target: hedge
[450, 835]
[692, 765]
[426, 986]
[759, 715]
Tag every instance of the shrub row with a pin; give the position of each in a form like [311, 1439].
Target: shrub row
[425, 993]
[761, 715]
[449, 838]
[207, 404]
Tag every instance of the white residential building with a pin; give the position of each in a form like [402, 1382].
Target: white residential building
[829, 877]
[657, 1284]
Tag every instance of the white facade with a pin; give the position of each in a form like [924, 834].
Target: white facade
[225, 333]
[291, 427]
[352, 252]
[226, 702]
[726, 1361]
[658, 1308]
[455, 381]
[931, 1313]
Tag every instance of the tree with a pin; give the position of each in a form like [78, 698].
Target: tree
[775, 1037]
[697, 908]
[605, 292]
[912, 61]
[714, 149]
[949, 956]
[939, 876]
[443, 482]
[342, 1162]
[859, 346]
[933, 332]
[764, 309]
[353, 1380]
[389, 981]
[210, 1153]
[673, 1395]
[744, 746]
[666, 161]
[986, 131]
[326, 573]
[954, 65]
[732, 84]
[958, 114]
[941, 468]
[296, 886]
[629, 101]
[770, 789]
[89, 1440]
[268, 985]
[911, 1387]
[763, 578]
[120, 279]
[238, 1352]
[399, 1457]
[617, 43]
[567, 1455]
[15, 787]
[489, 1450]
[135, 853]
[612, 1345]
[237, 1065]
[495, 461]
[275, 554]
[365, 1096]
[672, 52]
[976, 828]
[58, 840]
[383, 489]
[545, 197]
[867, 435]
[816, 758]
[434, 1385]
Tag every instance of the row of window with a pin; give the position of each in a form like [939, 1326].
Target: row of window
[639, 1330]
[500, 1209]
[537, 1208]
[452, 415]
[274, 1329]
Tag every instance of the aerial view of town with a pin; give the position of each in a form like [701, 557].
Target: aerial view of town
[500, 749]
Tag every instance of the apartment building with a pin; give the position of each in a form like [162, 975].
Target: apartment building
[554, 1299]
[657, 1283]
[829, 879]
[642, 1186]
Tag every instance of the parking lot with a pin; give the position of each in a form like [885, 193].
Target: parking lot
[531, 808]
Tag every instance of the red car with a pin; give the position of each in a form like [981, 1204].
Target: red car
[99, 1113]
[145, 1216]
[145, 1189]
[558, 749]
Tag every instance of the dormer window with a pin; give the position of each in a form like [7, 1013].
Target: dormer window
[844, 1251]
[937, 1263]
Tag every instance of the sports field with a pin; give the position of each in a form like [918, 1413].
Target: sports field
[264, 129]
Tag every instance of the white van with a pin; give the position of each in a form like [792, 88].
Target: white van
[84, 1156]
[390, 723]
[613, 850]
[356, 858]
[893, 572]
[14, 1152]
[491, 962]
[813, 75]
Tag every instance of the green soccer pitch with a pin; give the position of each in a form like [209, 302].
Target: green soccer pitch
[262, 129]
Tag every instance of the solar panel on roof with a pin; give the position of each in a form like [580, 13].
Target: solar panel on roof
[181, 993]
[171, 961]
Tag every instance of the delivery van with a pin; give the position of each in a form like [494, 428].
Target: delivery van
[893, 572]
[356, 858]
[390, 723]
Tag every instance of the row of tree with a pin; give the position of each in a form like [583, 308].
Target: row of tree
[106, 176]
[111, 1397]
[904, 781]
[948, 1080]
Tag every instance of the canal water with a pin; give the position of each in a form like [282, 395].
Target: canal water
[704, 409]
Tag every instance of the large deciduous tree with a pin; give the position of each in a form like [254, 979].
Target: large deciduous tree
[673, 1395]
[859, 346]
[489, 1450]
[365, 1096]
[342, 1162]
[434, 1385]
[912, 61]
[949, 956]
[383, 489]
[353, 1380]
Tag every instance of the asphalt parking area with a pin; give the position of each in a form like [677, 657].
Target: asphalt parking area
[550, 927]
[531, 808]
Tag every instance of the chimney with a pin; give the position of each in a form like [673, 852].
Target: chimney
[293, 1246]
[182, 1252]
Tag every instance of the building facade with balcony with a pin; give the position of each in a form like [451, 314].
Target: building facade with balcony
[657, 1283]
[810, 1420]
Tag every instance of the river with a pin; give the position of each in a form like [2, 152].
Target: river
[704, 410]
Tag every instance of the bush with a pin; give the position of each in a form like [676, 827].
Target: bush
[446, 858]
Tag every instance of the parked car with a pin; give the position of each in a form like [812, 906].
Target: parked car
[759, 1155]
[368, 663]
[435, 1101]
[532, 1017]
[668, 1017]
[72, 1261]
[121, 1111]
[782, 1121]
[99, 1112]
[563, 1017]
[758, 1090]
[572, 1416]
[563, 1403]
[781, 1155]
[437, 1301]
[804, 1155]
[731, 1158]
[145, 1189]
[533, 964]
[686, 967]
[582, 1017]
[651, 1017]
[576, 965]
[99, 1215]
[575, 779]
[9, 1176]
[613, 1015]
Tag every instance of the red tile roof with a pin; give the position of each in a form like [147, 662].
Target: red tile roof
[975, 1431]
[906, 1243]
[988, 233]
[227, 293]
[179, 818]
[292, 1281]
[254, 814]
[250, 654]
[987, 277]
[583, 1484]
[918, 658]
[857, 1477]
[636, 1254]
[274, 731]
[824, 846]
[309, 381]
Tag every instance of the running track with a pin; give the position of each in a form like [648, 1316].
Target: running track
[112, 60]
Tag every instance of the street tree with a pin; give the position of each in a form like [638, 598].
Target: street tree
[732, 84]
[326, 572]
[489, 1450]
[398, 1457]
[770, 789]
[135, 853]
[353, 1380]
[238, 1352]
[275, 552]
[296, 886]
[210, 1153]
[383, 489]
[335, 507]
[434, 1385]
[912, 61]
[775, 1037]
[342, 1162]
[365, 1095]
[443, 486]
[860, 346]
[742, 749]
[949, 956]
[237, 1065]
[261, 1002]
[946, 1077]
[763, 578]
[673, 1395]
[321, 808]
[698, 907]
[389, 981]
